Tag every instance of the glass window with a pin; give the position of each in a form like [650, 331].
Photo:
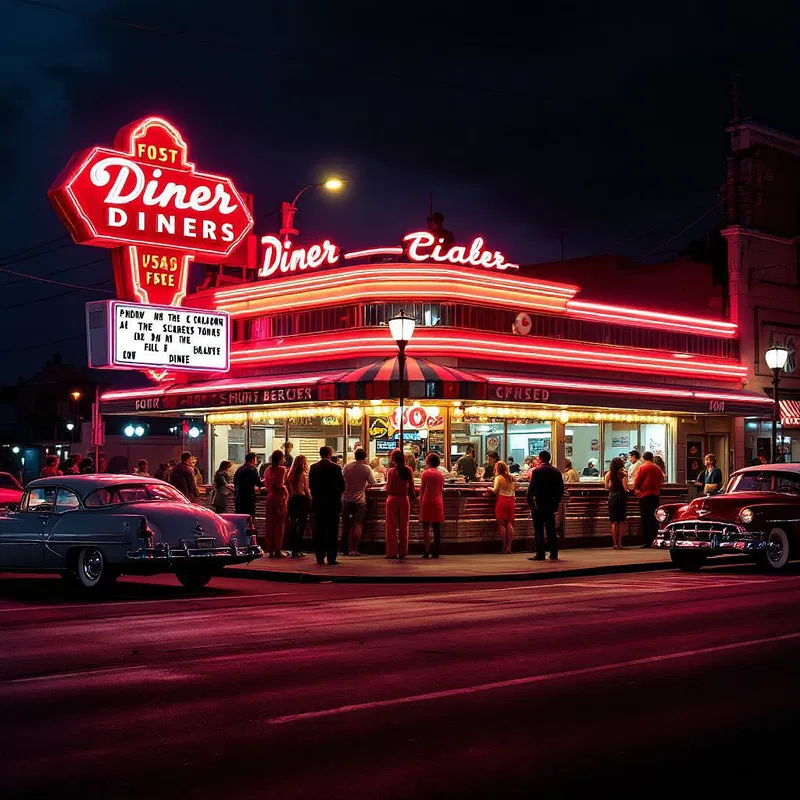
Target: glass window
[582, 449]
[228, 445]
[67, 500]
[787, 483]
[751, 482]
[619, 438]
[654, 439]
[527, 440]
[134, 493]
[41, 499]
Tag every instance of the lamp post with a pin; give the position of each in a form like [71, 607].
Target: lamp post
[288, 210]
[401, 326]
[71, 428]
[776, 358]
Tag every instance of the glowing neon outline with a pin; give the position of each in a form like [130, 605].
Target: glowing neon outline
[66, 187]
[374, 251]
[132, 259]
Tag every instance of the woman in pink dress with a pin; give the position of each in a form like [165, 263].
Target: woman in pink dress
[399, 493]
[431, 504]
[277, 499]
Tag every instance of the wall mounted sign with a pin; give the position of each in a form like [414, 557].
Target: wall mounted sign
[136, 336]
[145, 199]
[417, 418]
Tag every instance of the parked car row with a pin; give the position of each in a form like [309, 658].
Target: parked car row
[93, 528]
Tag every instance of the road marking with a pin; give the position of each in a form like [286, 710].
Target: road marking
[571, 673]
[128, 603]
[127, 674]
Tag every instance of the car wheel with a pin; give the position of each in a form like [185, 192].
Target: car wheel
[688, 562]
[93, 570]
[776, 556]
[193, 580]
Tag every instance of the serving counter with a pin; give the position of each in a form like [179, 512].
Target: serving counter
[470, 527]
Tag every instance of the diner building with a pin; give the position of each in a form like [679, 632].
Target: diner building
[499, 361]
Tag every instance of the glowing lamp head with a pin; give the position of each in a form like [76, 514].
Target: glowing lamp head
[194, 432]
[333, 184]
[76, 395]
[139, 430]
[401, 326]
[15, 450]
[129, 431]
[70, 426]
[777, 356]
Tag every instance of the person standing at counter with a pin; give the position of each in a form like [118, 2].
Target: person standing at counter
[616, 481]
[545, 490]
[431, 504]
[276, 504]
[505, 490]
[223, 488]
[513, 467]
[245, 485]
[299, 505]
[467, 465]
[647, 485]
[327, 487]
[489, 467]
[399, 493]
[357, 476]
[635, 465]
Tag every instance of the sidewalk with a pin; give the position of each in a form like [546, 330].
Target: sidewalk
[454, 568]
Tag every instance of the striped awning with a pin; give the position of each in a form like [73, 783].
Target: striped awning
[424, 379]
[790, 413]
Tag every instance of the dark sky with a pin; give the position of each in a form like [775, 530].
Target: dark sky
[604, 121]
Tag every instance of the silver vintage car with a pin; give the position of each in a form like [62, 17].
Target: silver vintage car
[93, 528]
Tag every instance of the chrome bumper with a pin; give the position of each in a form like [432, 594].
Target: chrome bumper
[188, 550]
[738, 541]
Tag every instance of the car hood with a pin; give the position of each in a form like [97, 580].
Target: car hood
[172, 522]
[726, 507]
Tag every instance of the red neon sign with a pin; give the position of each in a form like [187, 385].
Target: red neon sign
[144, 198]
[423, 246]
[280, 256]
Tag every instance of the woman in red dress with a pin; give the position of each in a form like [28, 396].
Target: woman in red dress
[399, 492]
[431, 504]
[505, 490]
[277, 498]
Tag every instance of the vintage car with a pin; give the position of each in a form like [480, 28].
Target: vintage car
[758, 514]
[93, 528]
[10, 490]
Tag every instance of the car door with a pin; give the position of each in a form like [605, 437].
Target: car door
[22, 532]
[63, 528]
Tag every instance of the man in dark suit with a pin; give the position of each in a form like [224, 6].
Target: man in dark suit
[327, 485]
[545, 490]
[246, 484]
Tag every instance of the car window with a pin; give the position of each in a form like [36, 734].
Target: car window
[39, 500]
[751, 482]
[133, 493]
[787, 483]
[7, 482]
[67, 500]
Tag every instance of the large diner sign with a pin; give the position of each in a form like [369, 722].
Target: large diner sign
[148, 202]
[136, 336]
[281, 257]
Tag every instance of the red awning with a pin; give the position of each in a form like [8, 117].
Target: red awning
[790, 413]
[425, 379]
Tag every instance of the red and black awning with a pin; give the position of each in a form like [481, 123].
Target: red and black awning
[424, 379]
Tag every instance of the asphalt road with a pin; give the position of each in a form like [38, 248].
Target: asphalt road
[643, 685]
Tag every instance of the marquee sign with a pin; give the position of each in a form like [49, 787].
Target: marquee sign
[145, 199]
[282, 258]
[136, 336]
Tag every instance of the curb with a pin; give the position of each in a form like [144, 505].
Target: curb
[311, 577]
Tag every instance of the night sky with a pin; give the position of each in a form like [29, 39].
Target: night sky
[601, 121]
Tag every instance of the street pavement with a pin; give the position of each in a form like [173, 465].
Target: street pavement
[652, 684]
[479, 567]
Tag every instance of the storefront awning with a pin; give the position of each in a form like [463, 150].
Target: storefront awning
[425, 379]
[790, 413]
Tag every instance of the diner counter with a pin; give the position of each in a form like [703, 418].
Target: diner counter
[470, 526]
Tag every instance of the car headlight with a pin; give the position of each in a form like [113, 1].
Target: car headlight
[661, 515]
[746, 515]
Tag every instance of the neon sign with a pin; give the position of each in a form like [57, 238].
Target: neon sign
[281, 257]
[146, 200]
[423, 246]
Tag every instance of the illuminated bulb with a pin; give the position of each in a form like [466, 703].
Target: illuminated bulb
[333, 184]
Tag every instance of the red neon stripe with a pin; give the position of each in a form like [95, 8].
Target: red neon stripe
[374, 251]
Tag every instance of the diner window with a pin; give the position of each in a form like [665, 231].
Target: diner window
[529, 439]
[228, 444]
[654, 439]
[619, 438]
[582, 448]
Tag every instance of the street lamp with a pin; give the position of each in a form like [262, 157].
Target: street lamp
[288, 210]
[401, 326]
[776, 358]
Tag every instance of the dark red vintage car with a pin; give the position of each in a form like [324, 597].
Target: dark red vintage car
[758, 514]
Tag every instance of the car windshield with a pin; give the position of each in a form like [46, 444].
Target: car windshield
[133, 493]
[767, 481]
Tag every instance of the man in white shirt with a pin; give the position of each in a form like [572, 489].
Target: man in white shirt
[636, 462]
[357, 476]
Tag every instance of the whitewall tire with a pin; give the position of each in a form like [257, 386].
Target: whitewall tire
[776, 556]
[93, 571]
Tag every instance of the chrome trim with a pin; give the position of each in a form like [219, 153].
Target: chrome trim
[712, 536]
[165, 553]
